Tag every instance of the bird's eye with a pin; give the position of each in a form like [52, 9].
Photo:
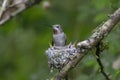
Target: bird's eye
[57, 26]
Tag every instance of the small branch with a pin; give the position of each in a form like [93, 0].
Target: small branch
[98, 51]
[84, 46]
[15, 7]
[4, 5]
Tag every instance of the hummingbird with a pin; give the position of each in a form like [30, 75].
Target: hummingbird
[59, 37]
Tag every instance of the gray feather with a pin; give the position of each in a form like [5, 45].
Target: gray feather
[59, 39]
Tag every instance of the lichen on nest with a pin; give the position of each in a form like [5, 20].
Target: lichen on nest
[59, 56]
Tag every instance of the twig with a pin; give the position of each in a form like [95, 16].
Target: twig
[66, 77]
[98, 51]
[17, 7]
[4, 5]
[84, 46]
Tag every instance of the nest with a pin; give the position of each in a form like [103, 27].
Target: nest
[59, 56]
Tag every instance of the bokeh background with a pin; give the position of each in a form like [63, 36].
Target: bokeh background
[24, 39]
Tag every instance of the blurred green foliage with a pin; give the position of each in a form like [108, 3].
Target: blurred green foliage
[24, 39]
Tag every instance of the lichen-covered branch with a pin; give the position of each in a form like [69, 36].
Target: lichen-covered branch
[84, 46]
[11, 8]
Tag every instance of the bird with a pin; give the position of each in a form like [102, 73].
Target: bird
[58, 54]
[59, 37]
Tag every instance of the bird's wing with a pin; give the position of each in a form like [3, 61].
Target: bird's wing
[65, 39]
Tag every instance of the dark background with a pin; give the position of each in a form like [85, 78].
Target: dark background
[24, 39]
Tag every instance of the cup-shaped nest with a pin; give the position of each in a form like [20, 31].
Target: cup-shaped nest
[59, 56]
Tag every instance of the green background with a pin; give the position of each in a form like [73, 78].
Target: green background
[24, 39]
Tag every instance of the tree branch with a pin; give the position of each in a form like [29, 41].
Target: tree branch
[84, 46]
[11, 8]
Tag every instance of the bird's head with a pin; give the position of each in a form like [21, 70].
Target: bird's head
[57, 29]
